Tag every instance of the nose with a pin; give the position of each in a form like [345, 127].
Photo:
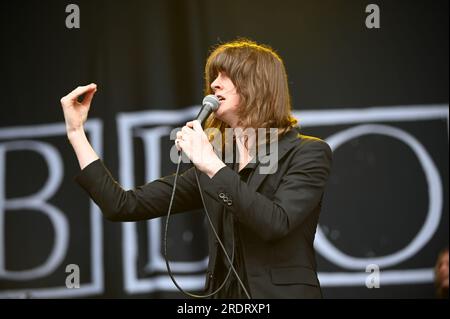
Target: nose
[216, 85]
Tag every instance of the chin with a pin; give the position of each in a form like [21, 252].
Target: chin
[219, 115]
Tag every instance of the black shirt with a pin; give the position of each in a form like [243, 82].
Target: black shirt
[229, 230]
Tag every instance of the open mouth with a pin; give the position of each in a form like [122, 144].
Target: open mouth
[221, 98]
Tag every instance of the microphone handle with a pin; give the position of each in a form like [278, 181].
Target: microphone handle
[204, 114]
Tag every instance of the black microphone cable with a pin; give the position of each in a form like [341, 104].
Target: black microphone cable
[230, 260]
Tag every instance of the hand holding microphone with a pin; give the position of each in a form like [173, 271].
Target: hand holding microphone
[210, 104]
[193, 141]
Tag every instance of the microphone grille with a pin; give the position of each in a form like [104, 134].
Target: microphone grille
[212, 101]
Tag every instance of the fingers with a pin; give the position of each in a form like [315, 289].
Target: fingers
[88, 97]
[183, 135]
[186, 133]
[186, 130]
[81, 90]
[177, 144]
[179, 140]
[180, 144]
[195, 125]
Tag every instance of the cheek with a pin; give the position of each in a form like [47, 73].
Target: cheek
[234, 103]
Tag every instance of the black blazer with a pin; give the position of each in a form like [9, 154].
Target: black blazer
[277, 214]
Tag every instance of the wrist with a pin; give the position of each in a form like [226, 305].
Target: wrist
[75, 134]
[214, 167]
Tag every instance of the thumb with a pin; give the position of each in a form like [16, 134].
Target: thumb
[197, 126]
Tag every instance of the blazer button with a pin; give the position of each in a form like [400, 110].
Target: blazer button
[221, 195]
[229, 202]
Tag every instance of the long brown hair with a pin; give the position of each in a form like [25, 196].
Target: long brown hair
[260, 78]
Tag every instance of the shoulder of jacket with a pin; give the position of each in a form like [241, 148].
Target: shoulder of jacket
[307, 140]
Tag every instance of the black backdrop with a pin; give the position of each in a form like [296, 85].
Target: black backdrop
[148, 56]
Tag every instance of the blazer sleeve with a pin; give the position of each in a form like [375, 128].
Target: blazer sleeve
[144, 202]
[297, 195]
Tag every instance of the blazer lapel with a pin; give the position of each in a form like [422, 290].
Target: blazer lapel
[284, 145]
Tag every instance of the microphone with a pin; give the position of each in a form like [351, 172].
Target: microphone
[210, 104]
